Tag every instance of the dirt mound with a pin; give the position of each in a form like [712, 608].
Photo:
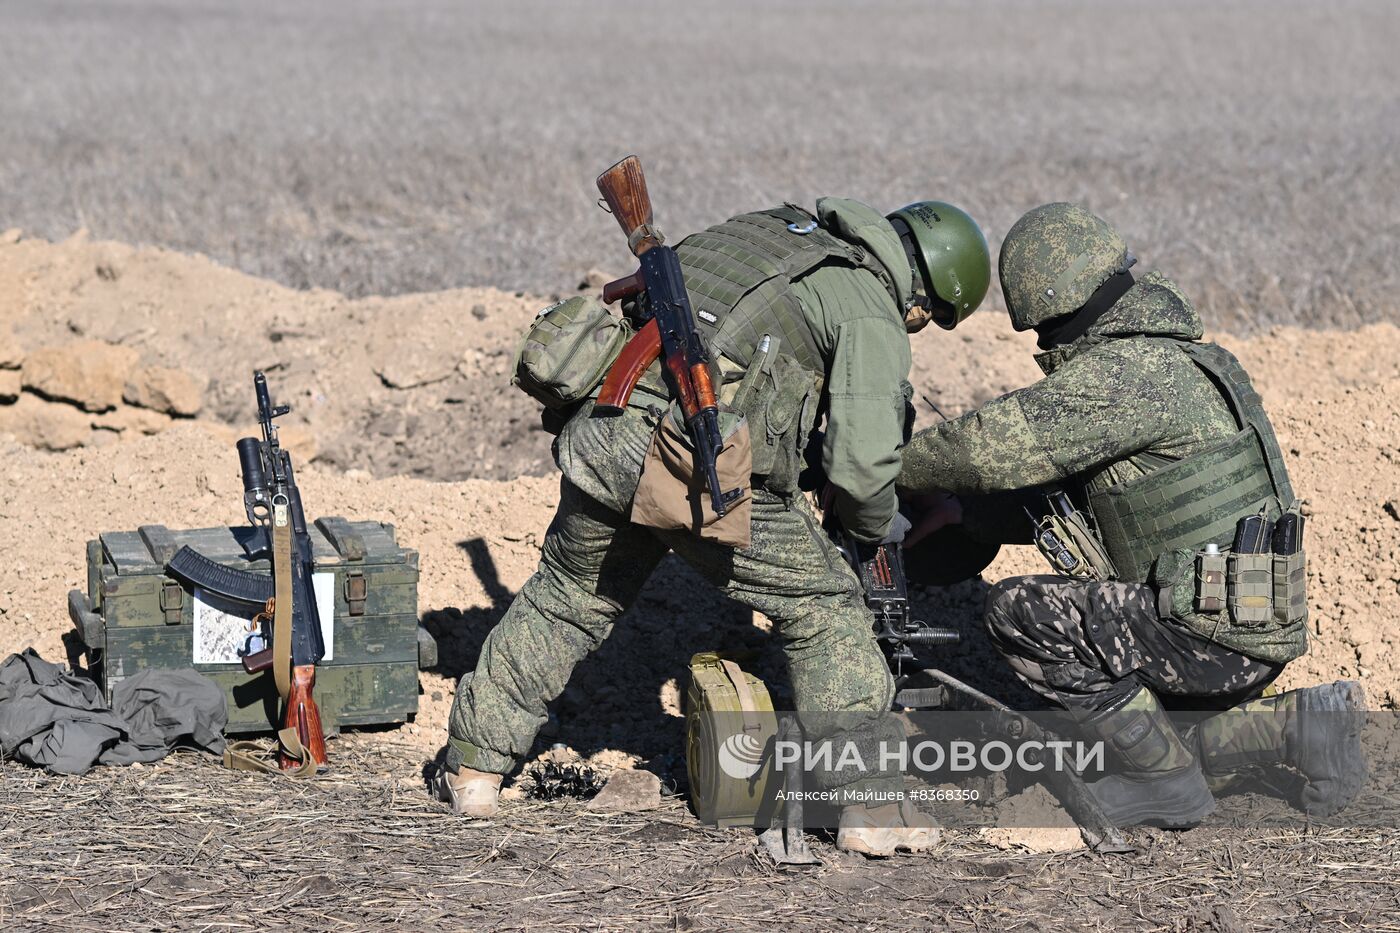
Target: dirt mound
[417, 384]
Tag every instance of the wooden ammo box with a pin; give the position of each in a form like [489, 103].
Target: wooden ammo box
[134, 617]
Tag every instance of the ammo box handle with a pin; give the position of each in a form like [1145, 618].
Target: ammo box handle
[159, 541]
[172, 600]
[747, 707]
[89, 624]
[427, 649]
[346, 541]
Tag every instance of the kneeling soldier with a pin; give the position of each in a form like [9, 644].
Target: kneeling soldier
[1153, 455]
[807, 314]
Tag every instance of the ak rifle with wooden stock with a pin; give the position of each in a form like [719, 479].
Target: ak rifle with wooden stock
[666, 328]
[286, 635]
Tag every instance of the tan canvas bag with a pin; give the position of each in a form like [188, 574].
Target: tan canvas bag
[671, 496]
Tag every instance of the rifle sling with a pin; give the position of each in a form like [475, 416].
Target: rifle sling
[250, 756]
[283, 605]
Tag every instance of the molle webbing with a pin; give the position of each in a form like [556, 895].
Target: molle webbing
[1248, 408]
[1197, 499]
[739, 277]
[1193, 501]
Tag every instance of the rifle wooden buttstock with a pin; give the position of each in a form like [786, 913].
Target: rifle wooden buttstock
[624, 288]
[624, 188]
[303, 716]
[640, 352]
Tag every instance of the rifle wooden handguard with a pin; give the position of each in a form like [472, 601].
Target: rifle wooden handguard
[641, 351]
[704, 388]
[303, 716]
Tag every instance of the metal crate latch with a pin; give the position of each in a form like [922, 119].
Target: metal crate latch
[172, 600]
[355, 590]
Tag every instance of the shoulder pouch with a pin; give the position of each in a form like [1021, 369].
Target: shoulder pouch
[567, 351]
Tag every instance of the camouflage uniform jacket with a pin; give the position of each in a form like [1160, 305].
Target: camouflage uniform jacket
[1111, 407]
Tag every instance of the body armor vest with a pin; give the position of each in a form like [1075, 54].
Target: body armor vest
[1198, 499]
[739, 276]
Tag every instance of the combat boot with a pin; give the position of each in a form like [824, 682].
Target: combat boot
[1316, 730]
[1156, 779]
[471, 793]
[880, 832]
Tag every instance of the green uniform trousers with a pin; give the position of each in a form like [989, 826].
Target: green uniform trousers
[592, 566]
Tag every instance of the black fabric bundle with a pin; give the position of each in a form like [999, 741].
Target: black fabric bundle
[56, 720]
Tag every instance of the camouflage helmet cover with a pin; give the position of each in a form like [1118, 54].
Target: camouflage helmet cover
[950, 257]
[1053, 260]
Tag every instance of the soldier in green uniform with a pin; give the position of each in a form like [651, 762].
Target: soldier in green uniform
[1163, 446]
[816, 309]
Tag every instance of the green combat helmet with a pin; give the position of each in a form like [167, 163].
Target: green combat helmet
[1053, 259]
[948, 252]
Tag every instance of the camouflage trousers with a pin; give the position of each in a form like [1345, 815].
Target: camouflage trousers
[593, 565]
[1089, 646]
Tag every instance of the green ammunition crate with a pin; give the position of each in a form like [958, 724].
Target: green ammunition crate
[135, 617]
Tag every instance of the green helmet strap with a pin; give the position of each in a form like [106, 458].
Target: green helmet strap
[911, 252]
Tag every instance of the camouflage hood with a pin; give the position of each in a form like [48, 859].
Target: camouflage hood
[1154, 307]
[860, 223]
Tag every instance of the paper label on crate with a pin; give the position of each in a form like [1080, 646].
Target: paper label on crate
[324, 585]
[221, 626]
